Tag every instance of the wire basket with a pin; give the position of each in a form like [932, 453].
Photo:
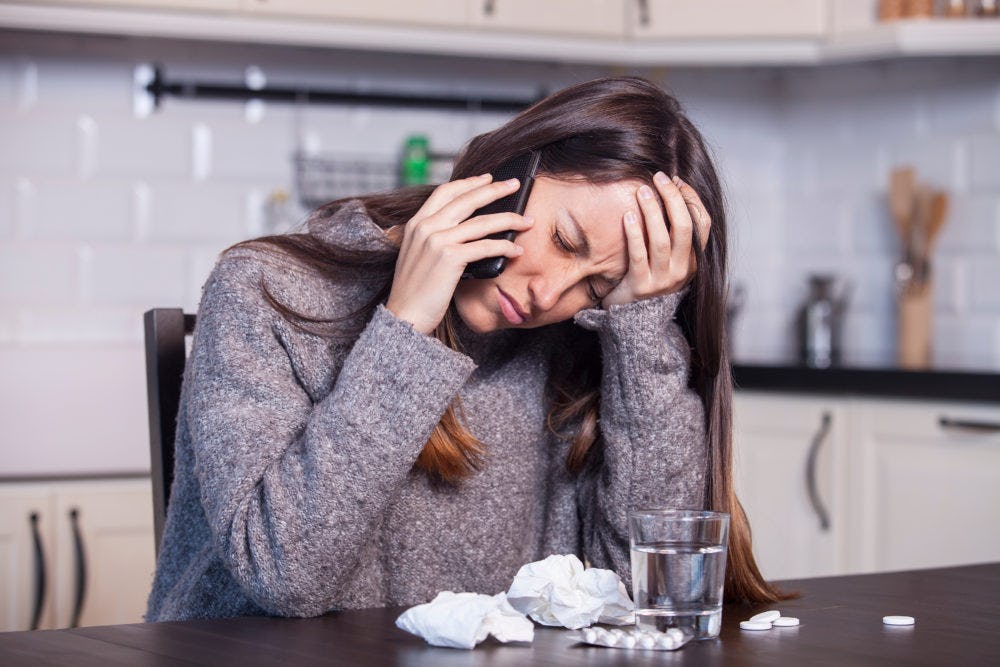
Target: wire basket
[322, 178]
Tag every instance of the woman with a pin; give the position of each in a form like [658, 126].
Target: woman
[360, 427]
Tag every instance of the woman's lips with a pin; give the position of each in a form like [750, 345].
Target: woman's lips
[509, 308]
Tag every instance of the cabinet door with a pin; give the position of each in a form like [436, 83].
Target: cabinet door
[725, 18]
[20, 566]
[789, 469]
[428, 12]
[579, 17]
[925, 487]
[113, 526]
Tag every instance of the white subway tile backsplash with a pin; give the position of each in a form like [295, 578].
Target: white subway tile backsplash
[971, 225]
[940, 162]
[58, 210]
[38, 144]
[965, 342]
[188, 211]
[134, 211]
[984, 284]
[139, 275]
[984, 153]
[43, 274]
[158, 146]
[84, 324]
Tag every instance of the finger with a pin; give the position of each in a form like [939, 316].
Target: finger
[638, 256]
[680, 221]
[484, 225]
[476, 250]
[655, 227]
[446, 192]
[702, 220]
[461, 207]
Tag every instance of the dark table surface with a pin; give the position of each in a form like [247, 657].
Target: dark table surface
[957, 612]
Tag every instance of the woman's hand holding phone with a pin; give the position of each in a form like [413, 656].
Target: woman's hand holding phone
[440, 240]
[666, 262]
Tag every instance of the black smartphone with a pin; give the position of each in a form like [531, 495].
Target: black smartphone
[523, 168]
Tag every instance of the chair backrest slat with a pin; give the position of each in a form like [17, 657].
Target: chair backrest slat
[165, 330]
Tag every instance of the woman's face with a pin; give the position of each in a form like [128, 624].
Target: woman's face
[573, 255]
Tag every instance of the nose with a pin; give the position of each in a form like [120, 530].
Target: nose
[546, 288]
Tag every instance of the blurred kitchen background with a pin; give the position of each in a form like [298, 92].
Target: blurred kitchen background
[111, 205]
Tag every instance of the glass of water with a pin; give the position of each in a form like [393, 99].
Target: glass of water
[678, 569]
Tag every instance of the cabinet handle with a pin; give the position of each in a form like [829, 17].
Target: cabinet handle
[814, 499]
[81, 568]
[643, 7]
[969, 425]
[36, 612]
[489, 7]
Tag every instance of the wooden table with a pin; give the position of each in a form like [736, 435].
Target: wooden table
[957, 612]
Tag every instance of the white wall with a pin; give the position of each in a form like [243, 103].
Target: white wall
[104, 214]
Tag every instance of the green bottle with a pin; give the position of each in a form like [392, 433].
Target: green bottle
[416, 160]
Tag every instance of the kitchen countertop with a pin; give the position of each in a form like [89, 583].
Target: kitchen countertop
[948, 385]
[956, 611]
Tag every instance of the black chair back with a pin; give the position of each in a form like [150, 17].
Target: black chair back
[166, 352]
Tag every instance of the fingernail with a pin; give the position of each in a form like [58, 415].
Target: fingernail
[486, 175]
[512, 181]
[629, 218]
[677, 181]
[660, 178]
[518, 250]
[645, 192]
[528, 220]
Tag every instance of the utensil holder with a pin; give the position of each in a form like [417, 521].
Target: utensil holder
[914, 307]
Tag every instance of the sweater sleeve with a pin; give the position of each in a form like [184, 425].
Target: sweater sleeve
[293, 489]
[652, 427]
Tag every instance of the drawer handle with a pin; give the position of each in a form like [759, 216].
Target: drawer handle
[489, 7]
[814, 499]
[36, 612]
[969, 425]
[81, 568]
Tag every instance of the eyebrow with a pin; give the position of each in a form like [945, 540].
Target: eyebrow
[583, 242]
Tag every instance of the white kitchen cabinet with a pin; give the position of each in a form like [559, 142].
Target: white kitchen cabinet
[205, 5]
[724, 18]
[113, 526]
[426, 12]
[925, 484]
[789, 474]
[574, 17]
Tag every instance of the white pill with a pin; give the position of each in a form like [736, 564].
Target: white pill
[898, 620]
[766, 616]
[646, 641]
[754, 625]
[617, 632]
[785, 622]
[590, 635]
[666, 641]
[676, 634]
[628, 641]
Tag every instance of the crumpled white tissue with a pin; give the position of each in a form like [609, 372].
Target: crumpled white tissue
[559, 591]
[462, 620]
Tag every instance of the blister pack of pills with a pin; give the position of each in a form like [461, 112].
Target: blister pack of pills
[670, 640]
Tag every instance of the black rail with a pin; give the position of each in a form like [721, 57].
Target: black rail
[161, 87]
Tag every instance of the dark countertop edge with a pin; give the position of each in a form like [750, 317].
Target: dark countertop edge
[888, 382]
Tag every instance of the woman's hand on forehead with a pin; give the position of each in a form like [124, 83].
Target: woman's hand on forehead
[661, 260]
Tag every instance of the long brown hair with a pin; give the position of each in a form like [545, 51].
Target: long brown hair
[603, 131]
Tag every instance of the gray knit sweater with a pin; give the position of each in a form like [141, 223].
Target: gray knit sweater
[294, 489]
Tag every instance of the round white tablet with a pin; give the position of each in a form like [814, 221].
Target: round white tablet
[898, 620]
[676, 634]
[766, 616]
[754, 625]
[645, 641]
[785, 622]
[666, 641]
[590, 635]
